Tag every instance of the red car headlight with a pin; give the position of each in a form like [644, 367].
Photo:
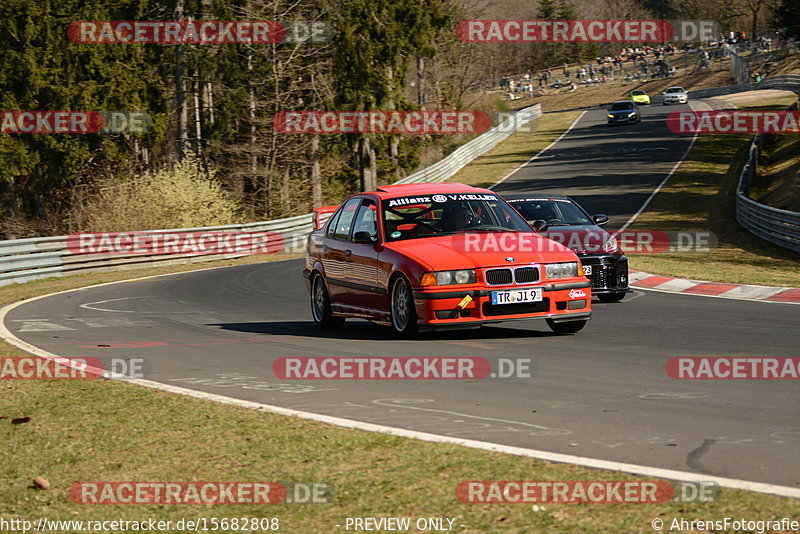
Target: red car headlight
[448, 278]
[562, 270]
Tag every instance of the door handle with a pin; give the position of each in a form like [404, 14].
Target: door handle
[348, 253]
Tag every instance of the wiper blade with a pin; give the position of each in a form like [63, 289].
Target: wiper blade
[489, 229]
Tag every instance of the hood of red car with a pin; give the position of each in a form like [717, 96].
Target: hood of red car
[483, 249]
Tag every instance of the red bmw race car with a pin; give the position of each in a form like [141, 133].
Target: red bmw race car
[423, 256]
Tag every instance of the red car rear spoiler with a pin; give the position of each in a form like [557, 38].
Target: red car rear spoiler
[319, 215]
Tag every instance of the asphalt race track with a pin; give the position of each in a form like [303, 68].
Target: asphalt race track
[602, 393]
[607, 169]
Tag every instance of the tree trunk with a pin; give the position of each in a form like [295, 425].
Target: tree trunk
[316, 176]
[251, 113]
[421, 82]
[394, 151]
[198, 127]
[209, 103]
[367, 165]
[180, 91]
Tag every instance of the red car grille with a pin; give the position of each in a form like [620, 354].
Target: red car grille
[520, 275]
[498, 277]
[526, 275]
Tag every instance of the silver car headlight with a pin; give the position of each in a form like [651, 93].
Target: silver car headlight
[562, 270]
[631, 114]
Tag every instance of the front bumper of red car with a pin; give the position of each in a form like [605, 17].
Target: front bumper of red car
[568, 300]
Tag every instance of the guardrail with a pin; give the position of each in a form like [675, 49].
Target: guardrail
[23, 260]
[780, 227]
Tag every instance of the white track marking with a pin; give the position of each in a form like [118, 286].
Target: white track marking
[88, 305]
[398, 403]
[539, 154]
[108, 322]
[39, 325]
[663, 182]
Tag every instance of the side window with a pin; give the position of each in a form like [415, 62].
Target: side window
[332, 224]
[345, 220]
[366, 220]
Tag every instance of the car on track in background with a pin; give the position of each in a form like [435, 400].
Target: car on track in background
[675, 95]
[424, 256]
[624, 112]
[640, 97]
[562, 219]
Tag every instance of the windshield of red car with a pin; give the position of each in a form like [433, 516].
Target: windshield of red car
[436, 215]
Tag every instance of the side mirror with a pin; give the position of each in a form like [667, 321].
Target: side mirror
[600, 219]
[539, 225]
[364, 238]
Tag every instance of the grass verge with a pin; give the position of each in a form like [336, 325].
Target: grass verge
[101, 431]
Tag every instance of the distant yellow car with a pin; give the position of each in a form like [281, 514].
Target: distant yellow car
[640, 97]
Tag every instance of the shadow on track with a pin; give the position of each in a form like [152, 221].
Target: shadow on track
[366, 331]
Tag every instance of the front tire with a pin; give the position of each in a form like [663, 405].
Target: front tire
[611, 297]
[569, 327]
[404, 314]
[321, 305]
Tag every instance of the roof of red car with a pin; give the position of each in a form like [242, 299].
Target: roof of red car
[401, 190]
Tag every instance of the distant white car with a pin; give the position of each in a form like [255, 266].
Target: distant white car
[675, 95]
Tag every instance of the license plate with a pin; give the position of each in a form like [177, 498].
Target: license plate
[587, 270]
[515, 296]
